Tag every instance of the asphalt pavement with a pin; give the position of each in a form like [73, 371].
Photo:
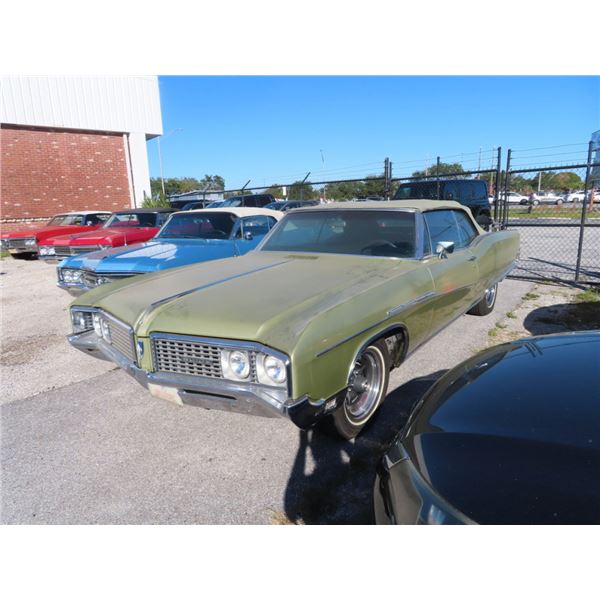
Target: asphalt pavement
[82, 442]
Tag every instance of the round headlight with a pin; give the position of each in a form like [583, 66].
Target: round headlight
[239, 363]
[30, 242]
[275, 369]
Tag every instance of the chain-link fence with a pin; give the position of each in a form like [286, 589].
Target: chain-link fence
[551, 196]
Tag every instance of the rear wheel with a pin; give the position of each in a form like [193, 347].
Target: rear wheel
[367, 387]
[486, 305]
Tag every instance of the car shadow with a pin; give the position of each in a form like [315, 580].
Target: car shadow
[559, 318]
[331, 481]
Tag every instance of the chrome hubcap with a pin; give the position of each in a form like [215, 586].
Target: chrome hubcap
[490, 295]
[364, 387]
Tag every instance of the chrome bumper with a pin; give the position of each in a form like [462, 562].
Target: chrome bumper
[207, 392]
[75, 289]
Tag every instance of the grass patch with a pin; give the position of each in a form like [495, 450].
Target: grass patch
[590, 295]
[4, 255]
[511, 315]
[493, 332]
[531, 296]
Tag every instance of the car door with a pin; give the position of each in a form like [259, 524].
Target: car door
[250, 231]
[455, 274]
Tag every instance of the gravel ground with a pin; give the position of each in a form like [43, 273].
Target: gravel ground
[82, 442]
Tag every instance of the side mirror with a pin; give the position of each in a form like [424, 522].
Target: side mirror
[444, 248]
[248, 236]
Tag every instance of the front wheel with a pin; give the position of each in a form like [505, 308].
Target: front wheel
[367, 387]
[486, 305]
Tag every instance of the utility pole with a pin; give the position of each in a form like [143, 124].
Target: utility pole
[302, 186]
[162, 179]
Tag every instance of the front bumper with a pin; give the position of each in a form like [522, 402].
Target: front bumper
[209, 392]
[75, 289]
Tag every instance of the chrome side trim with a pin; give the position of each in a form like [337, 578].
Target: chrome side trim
[390, 313]
[414, 302]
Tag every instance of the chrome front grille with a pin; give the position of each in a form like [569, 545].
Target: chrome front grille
[188, 357]
[121, 337]
[73, 250]
[19, 243]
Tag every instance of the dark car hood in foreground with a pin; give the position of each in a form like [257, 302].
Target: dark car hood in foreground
[513, 434]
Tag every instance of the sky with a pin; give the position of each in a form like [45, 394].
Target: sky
[276, 129]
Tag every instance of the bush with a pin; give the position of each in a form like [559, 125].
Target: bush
[158, 201]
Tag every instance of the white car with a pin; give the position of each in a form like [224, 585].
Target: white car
[576, 196]
[513, 198]
[547, 198]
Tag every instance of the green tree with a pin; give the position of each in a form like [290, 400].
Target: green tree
[214, 182]
[275, 190]
[299, 191]
[344, 190]
[444, 169]
[374, 185]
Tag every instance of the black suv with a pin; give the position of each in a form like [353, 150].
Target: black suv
[470, 192]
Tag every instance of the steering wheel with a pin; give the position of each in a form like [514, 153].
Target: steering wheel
[377, 244]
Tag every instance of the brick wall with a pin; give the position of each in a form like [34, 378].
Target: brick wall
[47, 171]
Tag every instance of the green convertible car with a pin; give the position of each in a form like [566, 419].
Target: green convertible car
[311, 322]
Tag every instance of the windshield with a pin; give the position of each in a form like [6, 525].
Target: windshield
[132, 219]
[231, 202]
[208, 226]
[67, 220]
[366, 232]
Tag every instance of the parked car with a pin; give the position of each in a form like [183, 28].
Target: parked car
[25, 244]
[472, 193]
[250, 200]
[189, 204]
[513, 198]
[545, 198]
[290, 204]
[186, 238]
[311, 322]
[275, 205]
[195, 205]
[123, 228]
[503, 438]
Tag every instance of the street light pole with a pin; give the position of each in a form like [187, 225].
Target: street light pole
[162, 179]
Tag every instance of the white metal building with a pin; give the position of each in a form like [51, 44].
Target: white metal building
[49, 125]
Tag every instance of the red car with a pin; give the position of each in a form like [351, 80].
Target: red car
[124, 228]
[24, 244]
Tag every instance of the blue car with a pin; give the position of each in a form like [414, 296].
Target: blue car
[186, 238]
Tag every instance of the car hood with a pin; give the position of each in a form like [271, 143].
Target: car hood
[152, 256]
[512, 434]
[43, 232]
[267, 297]
[104, 235]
